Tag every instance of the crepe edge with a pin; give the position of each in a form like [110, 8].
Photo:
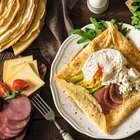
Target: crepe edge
[84, 101]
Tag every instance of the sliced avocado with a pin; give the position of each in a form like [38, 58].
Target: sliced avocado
[85, 84]
[91, 91]
[76, 78]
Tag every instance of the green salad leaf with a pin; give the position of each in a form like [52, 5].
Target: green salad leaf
[88, 33]
[119, 25]
[100, 26]
[135, 10]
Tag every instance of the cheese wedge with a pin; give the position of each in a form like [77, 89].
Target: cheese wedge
[27, 74]
[12, 62]
[15, 68]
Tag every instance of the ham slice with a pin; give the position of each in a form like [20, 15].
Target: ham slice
[108, 97]
[108, 100]
[114, 94]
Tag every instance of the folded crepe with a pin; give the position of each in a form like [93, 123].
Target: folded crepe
[32, 33]
[110, 38]
[20, 23]
[28, 15]
[11, 8]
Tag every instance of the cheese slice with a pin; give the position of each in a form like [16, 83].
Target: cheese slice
[12, 62]
[27, 74]
[15, 68]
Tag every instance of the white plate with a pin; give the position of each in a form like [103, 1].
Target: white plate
[68, 109]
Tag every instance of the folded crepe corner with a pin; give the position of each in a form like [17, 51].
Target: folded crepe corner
[110, 38]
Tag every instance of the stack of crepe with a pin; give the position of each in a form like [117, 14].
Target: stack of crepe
[20, 23]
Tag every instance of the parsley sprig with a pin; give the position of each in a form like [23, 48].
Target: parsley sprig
[135, 10]
[100, 26]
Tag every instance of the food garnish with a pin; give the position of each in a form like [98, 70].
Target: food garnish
[125, 31]
[3, 90]
[88, 33]
[20, 84]
[99, 26]
[135, 7]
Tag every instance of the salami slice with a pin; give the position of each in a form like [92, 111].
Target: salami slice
[17, 109]
[15, 125]
[8, 130]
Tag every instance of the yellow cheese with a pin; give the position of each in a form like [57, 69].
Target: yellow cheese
[15, 68]
[26, 73]
[12, 62]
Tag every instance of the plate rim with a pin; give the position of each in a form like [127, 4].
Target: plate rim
[55, 99]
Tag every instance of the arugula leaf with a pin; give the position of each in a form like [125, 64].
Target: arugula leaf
[124, 31]
[88, 34]
[99, 26]
[135, 10]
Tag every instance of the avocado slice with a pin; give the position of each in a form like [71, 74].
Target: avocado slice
[85, 84]
[76, 78]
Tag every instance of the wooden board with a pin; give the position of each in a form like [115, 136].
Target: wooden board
[42, 71]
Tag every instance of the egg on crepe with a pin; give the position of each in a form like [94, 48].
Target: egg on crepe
[88, 82]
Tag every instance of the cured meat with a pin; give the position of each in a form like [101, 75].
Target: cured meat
[114, 94]
[8, 130]
[14, 117]
[15, 125]
[108, 100]
[108, 97]
[99, 96]
[17, 109]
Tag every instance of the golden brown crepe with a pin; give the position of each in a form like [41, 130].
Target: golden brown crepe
[110, 38]
[32, 33]
[11, 10]
[25, 24]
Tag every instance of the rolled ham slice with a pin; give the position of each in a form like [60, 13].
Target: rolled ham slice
[108, 100]
[114, 94]
[108, 97]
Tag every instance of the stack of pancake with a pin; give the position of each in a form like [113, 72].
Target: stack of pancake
[20, 23]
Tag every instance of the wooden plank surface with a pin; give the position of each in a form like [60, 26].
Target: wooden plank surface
[39, 128]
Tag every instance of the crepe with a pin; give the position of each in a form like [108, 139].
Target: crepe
[11, 10]
[15, 24]
[25, 24]
[110, 38]
[32, 33]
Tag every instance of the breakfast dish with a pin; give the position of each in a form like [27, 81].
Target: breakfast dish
[20, 23]
[20, 80]
[105, 84]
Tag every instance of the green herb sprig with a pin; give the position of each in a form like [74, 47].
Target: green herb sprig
[100, 26]
[88, 33]
[135, 10]
[119, 25]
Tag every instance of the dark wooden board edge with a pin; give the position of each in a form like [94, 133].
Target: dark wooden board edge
[42, 72]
